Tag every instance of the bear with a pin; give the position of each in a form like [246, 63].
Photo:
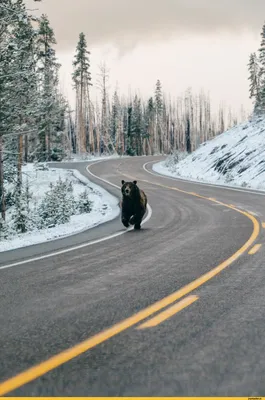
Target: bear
[133, 204]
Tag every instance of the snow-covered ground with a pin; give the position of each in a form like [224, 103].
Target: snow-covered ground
[234, 158]
[105, 206]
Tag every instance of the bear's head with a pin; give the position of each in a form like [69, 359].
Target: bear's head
[128, 188]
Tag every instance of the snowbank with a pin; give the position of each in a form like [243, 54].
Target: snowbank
[235, 158]
[105, 206]
[88, 157]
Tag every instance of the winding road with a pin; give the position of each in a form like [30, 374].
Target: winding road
[176, 309]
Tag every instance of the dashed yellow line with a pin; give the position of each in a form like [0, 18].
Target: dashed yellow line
[255, 249]
[263, 224]
[169, 312]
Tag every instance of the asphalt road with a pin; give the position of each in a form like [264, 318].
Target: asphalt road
[191, 254]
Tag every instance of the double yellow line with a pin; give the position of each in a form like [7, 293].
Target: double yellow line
[67, 355]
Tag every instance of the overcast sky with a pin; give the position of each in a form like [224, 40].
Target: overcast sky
[198, 43]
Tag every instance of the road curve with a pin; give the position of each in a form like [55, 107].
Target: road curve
[175, 309]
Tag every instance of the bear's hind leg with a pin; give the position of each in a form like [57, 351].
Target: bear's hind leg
[137, 226]
[138, 217]
[137, 222]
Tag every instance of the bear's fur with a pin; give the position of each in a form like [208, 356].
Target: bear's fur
[133, 204]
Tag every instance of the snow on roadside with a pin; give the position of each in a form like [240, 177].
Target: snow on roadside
[105, 206]
[234, 158]
[87, 158]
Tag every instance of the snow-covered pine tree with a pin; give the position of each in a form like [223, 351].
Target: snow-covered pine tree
[84, 204]
[6, 22]
[58, 204]
[23, 83]
[255, 84]
[47, 209]
[261, 105]
[4, 229]
[16, 84]
[20, 215]
[66, 203]
[50, 107]
[82, 81]
[130, 149]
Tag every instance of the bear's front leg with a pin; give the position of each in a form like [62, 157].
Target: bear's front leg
[125, 222]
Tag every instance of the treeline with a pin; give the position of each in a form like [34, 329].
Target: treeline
[256, 67]
[134, 126]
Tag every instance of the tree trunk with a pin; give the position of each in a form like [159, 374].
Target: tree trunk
[2, 193]
[26, 148]
[20, 159]
[49, 142]
[188, 142]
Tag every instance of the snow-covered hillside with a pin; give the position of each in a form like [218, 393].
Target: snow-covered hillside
[235, 158]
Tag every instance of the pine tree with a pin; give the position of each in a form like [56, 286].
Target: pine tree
[261, 101]
[130, 150]
[82, 81]
[16, 80]
[20, 216]
[255, 84]
[23, 84]
[58, 205]
[84, 204]
[6, 13]
[47, 209]
[48, 68]
[4, 230]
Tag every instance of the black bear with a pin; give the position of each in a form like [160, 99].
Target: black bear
[133, 204]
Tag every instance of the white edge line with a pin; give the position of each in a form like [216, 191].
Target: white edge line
[258, 192]
[56, 253]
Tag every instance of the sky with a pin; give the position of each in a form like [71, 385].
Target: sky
[202, 44]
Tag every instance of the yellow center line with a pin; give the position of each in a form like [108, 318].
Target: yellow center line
[67, 355]
[263, 224]
[255, 249]
[169, 312]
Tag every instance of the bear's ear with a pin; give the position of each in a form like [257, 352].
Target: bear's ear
[122, 182]
[135, 182]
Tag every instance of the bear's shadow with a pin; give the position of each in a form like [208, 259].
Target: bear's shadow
[137, 231]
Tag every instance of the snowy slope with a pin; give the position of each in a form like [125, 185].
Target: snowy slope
[105, 206]
[235, 158]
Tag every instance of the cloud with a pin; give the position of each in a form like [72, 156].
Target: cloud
[126, 23]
